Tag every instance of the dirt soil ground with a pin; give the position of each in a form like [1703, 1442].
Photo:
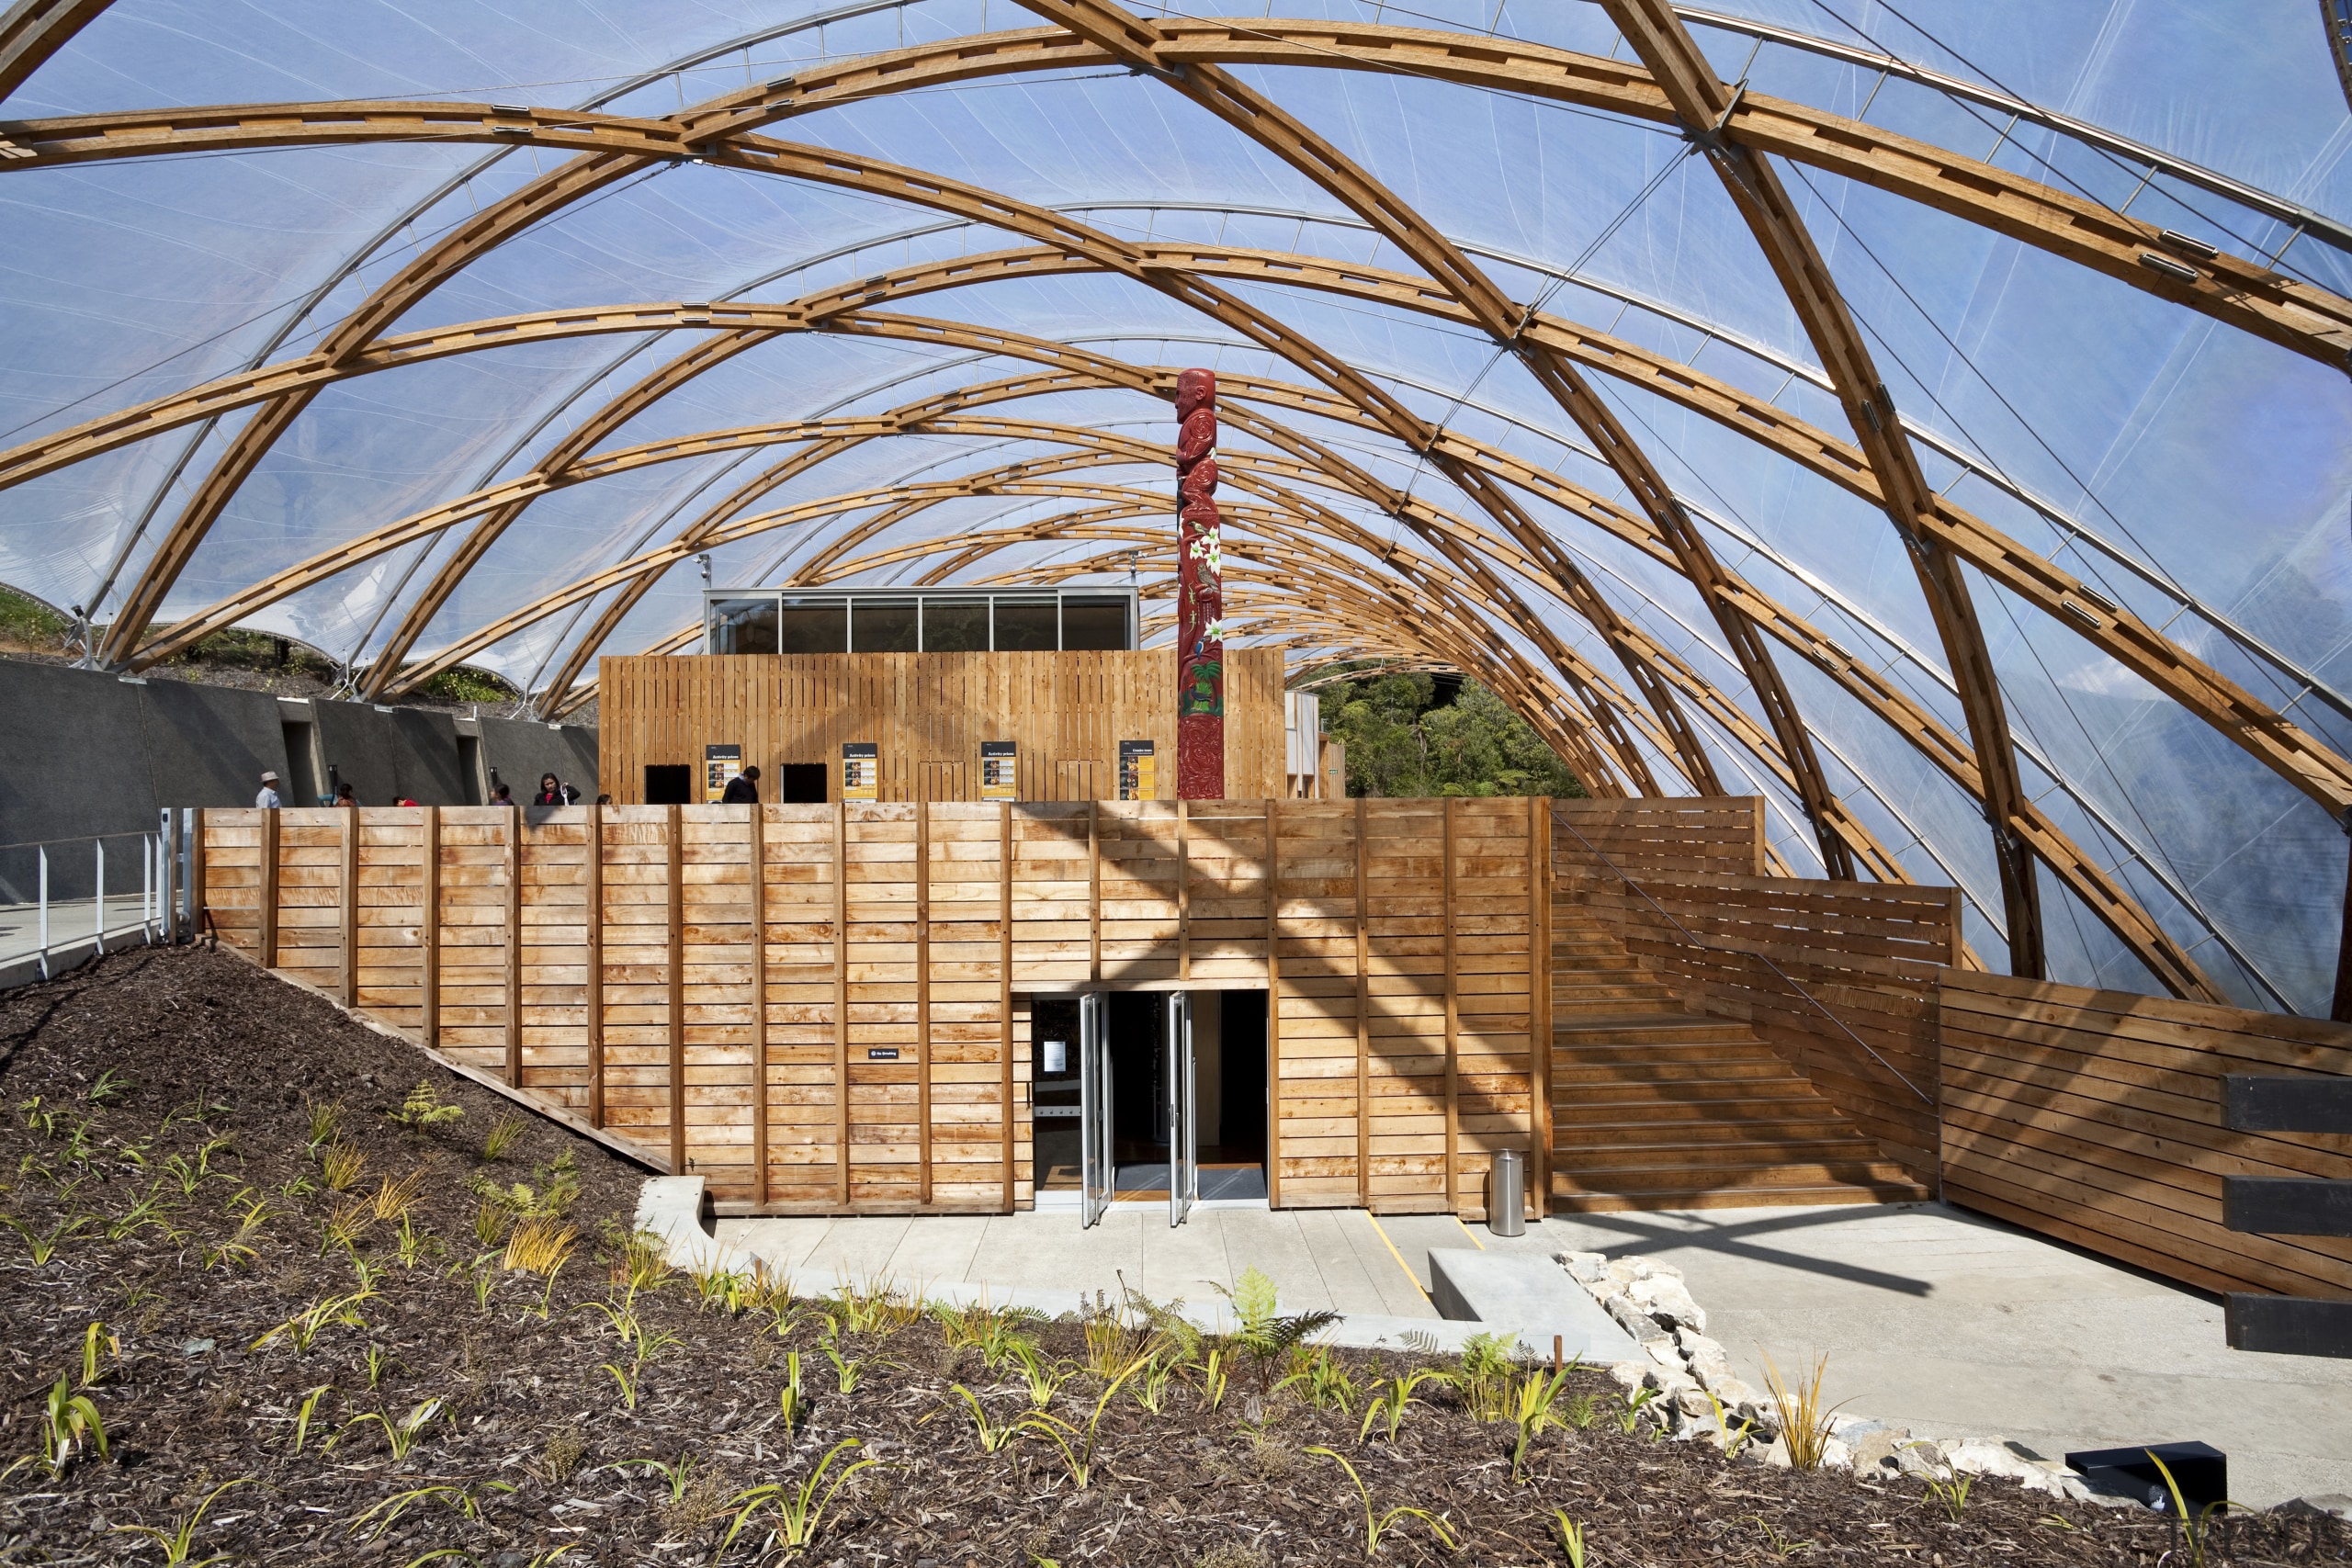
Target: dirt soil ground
[307, 1348]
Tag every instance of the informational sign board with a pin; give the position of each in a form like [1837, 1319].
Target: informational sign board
[861, 769]
[1138, 771]
[719, 766]
[1000, 770]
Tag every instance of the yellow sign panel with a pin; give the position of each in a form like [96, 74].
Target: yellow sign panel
[861, 769]
[1138, 771]
[1000, 770]
[720, 764]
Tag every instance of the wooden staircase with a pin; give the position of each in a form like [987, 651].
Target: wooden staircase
[1655, 1106]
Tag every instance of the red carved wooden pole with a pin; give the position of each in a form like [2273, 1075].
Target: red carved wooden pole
[1200, 595]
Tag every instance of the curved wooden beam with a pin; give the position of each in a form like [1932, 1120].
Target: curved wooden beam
[2243, 293]
[2279, 744]
[30, 32]
[1138, 42]
[1702, 101]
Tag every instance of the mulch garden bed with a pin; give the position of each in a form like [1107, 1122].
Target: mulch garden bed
[170, 1164]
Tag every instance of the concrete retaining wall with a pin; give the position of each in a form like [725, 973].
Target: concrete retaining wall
[83, 753]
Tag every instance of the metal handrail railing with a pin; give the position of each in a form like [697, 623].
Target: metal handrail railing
[163, 861]
[1697, 940]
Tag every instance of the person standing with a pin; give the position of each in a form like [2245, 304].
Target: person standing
[343, 797]
[267, 799]
[500, 797]
[743, 789]
[555, 792]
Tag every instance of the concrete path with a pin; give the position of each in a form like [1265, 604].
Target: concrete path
[1945, 1322]
[1954, 1324]
[73, 937]
[1334, 1259]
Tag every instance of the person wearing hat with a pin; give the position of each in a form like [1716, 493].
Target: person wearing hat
[267, 799]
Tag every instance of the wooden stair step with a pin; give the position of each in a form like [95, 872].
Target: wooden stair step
[1684, 1131]
[1745, 1153]
[1571, 1202]
[1667, 1101]
[1671, 1072]
[1689, 1026]
[1593, 1052]
[1762, 1174]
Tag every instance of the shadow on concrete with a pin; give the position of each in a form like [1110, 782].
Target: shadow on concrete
[1653, 1240]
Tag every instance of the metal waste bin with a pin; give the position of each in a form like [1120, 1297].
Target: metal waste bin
[1507, 1194]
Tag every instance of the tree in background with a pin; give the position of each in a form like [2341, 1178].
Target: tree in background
[1411, 734]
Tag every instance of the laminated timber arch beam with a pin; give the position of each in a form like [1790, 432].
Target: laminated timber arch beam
[963, 200]
[2287, 750]
[2141, 935]
[32, 30]
[1702, 100]
[2242, 293]
[1137, 42]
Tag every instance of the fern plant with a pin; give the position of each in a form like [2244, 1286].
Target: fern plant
[422, 1112]
[1263, 1334]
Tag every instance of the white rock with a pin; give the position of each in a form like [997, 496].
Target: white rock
[1836, 1455]
[1989, 1459]
[1872, 1445]
[1663, 1352]
[1584, 1268]
[1922, 1458]
[1641, 1326]
[1668, 1301]
[1630, 1375]
[1625, 1270]
[1702, 1352]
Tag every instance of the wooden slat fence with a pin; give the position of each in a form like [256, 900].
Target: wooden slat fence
[2096, 1116]
[1870, 953]
[824, 1009]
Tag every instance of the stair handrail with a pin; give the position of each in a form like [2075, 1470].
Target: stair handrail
[1697, 940]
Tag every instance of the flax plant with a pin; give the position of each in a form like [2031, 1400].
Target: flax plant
[1804, 1421]
[1379, 1522]
[179, 1543]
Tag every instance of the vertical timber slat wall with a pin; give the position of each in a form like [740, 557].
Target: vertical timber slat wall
[928, 713]
[823, 1008]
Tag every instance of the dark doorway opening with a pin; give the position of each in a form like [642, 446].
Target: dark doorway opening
[803, 784]
[1230, 1097]
[669, 783]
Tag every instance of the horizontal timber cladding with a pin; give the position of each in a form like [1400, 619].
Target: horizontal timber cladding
[2096, 1117]
[1703, 835]
[825, 1008]
[927, 713]
[1868, 953]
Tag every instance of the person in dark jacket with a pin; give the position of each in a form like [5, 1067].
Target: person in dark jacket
[554, 791]
[743, 789]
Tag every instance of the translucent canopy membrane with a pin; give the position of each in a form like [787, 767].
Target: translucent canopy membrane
[1979, 500]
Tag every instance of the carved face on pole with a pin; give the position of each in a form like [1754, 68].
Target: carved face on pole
[1200, 594]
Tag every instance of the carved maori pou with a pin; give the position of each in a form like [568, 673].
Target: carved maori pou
[1200, 594]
